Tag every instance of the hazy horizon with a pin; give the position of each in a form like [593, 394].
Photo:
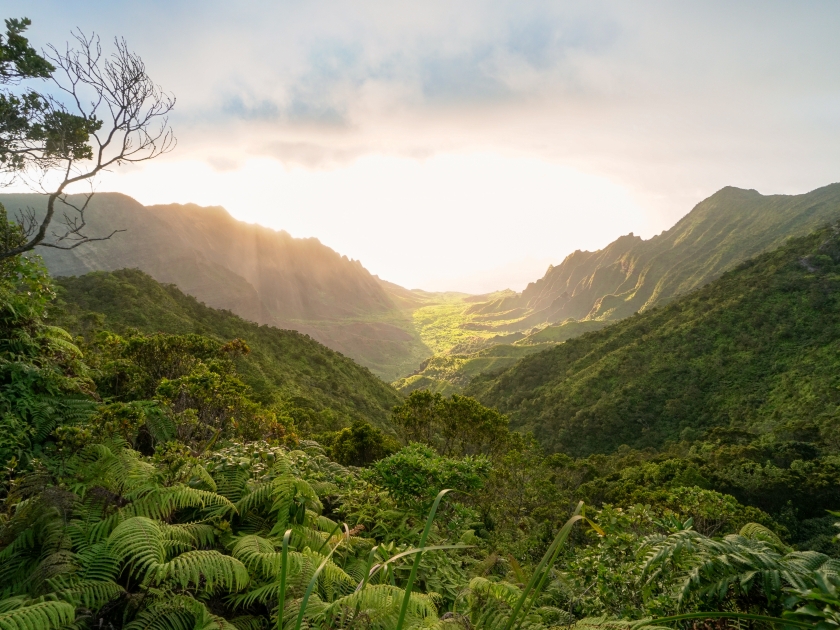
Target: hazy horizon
[465, 147]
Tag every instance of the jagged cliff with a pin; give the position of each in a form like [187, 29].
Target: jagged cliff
[632, 274]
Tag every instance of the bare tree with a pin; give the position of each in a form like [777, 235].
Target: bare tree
[105, 111]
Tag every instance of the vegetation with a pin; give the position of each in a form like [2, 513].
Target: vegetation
[282, 365]
[751, 352]
[262, 275]
[452, 371]
[151, 480]
[472, 334]
[731, 388]
[168, 466]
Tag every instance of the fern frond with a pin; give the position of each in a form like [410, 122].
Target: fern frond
[90, 594]
[755, 531]
[178, 612]
[138, 544]
[207, 569]
[378, 606]
[41, 616]
[195, 534]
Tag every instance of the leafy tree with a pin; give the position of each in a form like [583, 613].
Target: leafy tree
[360, 444]
[413, 475]
[454, 426]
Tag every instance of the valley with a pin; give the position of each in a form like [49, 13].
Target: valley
[709, 411]
[207, 424]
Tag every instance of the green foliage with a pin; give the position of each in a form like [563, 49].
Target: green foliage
[282, 367]
[413, 475]
[747, 570]
[42, 379]
[43, 615]
[361, 444]
[148, 484]
[18, 60]
[819, 605]
[451, 372]
[454, 426]
[752, 352]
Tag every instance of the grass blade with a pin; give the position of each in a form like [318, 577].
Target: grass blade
[378, 567]
[410, 584]
[284, 567]
[314, 581]
[538, 578]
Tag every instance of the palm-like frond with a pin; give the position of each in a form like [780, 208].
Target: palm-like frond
[140, 543]
[90, 594]
[171, 611]
[205, 569]
[709, 568]
[40, 616]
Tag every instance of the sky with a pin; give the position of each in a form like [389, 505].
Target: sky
[468, 145]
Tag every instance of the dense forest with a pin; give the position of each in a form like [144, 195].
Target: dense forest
[283, 365]
[755, 351]
[170, 466]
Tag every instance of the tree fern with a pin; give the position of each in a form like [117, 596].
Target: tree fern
[378, 606]
[207, 570]
[172, 611]
[89, 594]
[140, 544]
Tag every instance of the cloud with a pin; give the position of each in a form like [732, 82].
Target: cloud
[670, 101]
[264, 110]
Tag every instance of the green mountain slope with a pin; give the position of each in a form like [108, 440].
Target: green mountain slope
[282, 364]
[452, 371]
[757, 350]
[627, 276]
[262, 275]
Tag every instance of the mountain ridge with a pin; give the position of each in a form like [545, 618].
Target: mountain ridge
[631, 274]
[263, 275]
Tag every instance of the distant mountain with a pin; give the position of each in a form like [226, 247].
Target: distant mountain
[282, 365]
[632, 274]
[263, 275]
[589, 289]
[756, 351]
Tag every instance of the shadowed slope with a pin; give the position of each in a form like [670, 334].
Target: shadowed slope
[755, 350]
[263, 275]
[283, 364]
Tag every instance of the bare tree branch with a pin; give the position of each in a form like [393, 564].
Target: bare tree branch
[111, 114]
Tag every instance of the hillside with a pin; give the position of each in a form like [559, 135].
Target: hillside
[627, 276]
[260, 274]
[632, 274]
[452, 371]
[754, 351]
[282, 365]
